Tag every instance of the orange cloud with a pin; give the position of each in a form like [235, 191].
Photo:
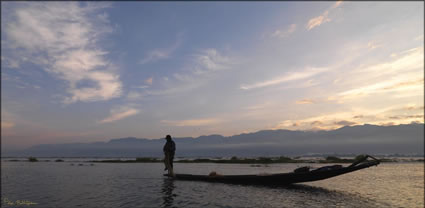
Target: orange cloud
[149, 81]
[305, 101]
[118, 114]
[317, 21]
[7, 124]
[194, 122]
[312, 23]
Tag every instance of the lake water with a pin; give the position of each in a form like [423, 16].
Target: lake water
[54, 184]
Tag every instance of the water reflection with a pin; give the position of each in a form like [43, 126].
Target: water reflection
[304, 195]
[167, 191]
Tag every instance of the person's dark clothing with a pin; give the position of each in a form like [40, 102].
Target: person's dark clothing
[170, 149]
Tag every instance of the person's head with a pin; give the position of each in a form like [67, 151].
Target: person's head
[168, 138]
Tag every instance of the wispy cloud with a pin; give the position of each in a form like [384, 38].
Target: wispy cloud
[210, 60]
[194, 122]
[285, 33]
[305, 101]
[315, 123]
[119, 114]
[142, 86]
[263, 105]
[384, 86]
[162, 53]
[196, 72]
[149, 81]
[307, 73]
[373, 44]
[419, 38]
[411, 59]
[7, 124]
[66, 37]
[395, 77]
[401, 75]
[176, 88]
[413, 107]
[317, 21]
[323, 18]
[337, 4]
[132, 95]
[392, 115]
[9, 63]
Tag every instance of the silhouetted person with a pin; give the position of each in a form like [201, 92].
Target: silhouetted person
[169, 150]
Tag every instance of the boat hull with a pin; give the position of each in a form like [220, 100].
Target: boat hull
[275, 179]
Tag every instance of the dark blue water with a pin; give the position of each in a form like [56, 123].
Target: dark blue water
[54, 184]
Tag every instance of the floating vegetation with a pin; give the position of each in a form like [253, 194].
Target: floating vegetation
[58, 160]
[32, 159]
[259, 160]
[333, 159]
[137, 160]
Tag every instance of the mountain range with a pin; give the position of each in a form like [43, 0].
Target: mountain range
[361, 139]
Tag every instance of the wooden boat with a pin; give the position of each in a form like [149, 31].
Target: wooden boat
[300, 175]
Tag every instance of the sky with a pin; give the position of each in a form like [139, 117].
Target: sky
[93, 71]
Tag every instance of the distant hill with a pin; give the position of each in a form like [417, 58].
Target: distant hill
[370, 139]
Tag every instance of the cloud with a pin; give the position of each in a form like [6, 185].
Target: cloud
[7, 124]
[337, 4]
[263, 105]
[345, 123]
[413, 107]
[65, 37]
[161, 53]
[210, 60]
[406, 84]
[398, 117]
[285, 33]
[134, 95]
[292, 76]
[9, 63]
[383, 87]
[305, 101]
[119, 114]
[400, 74]
[355, 116]
[141, 86]
[411, 59]
[317, 21]
[195, 122]
[372, 45]
[176, 88]
[419, 38]
[196, 72]
[314, 123]
[149, 81]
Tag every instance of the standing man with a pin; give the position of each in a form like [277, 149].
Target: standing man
[169, 150]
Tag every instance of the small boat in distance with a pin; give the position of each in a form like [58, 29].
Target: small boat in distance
[299, 175]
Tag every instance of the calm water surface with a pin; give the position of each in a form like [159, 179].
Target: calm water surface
[54, 184]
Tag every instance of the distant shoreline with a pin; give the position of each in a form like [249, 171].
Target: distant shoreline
[233, 160]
